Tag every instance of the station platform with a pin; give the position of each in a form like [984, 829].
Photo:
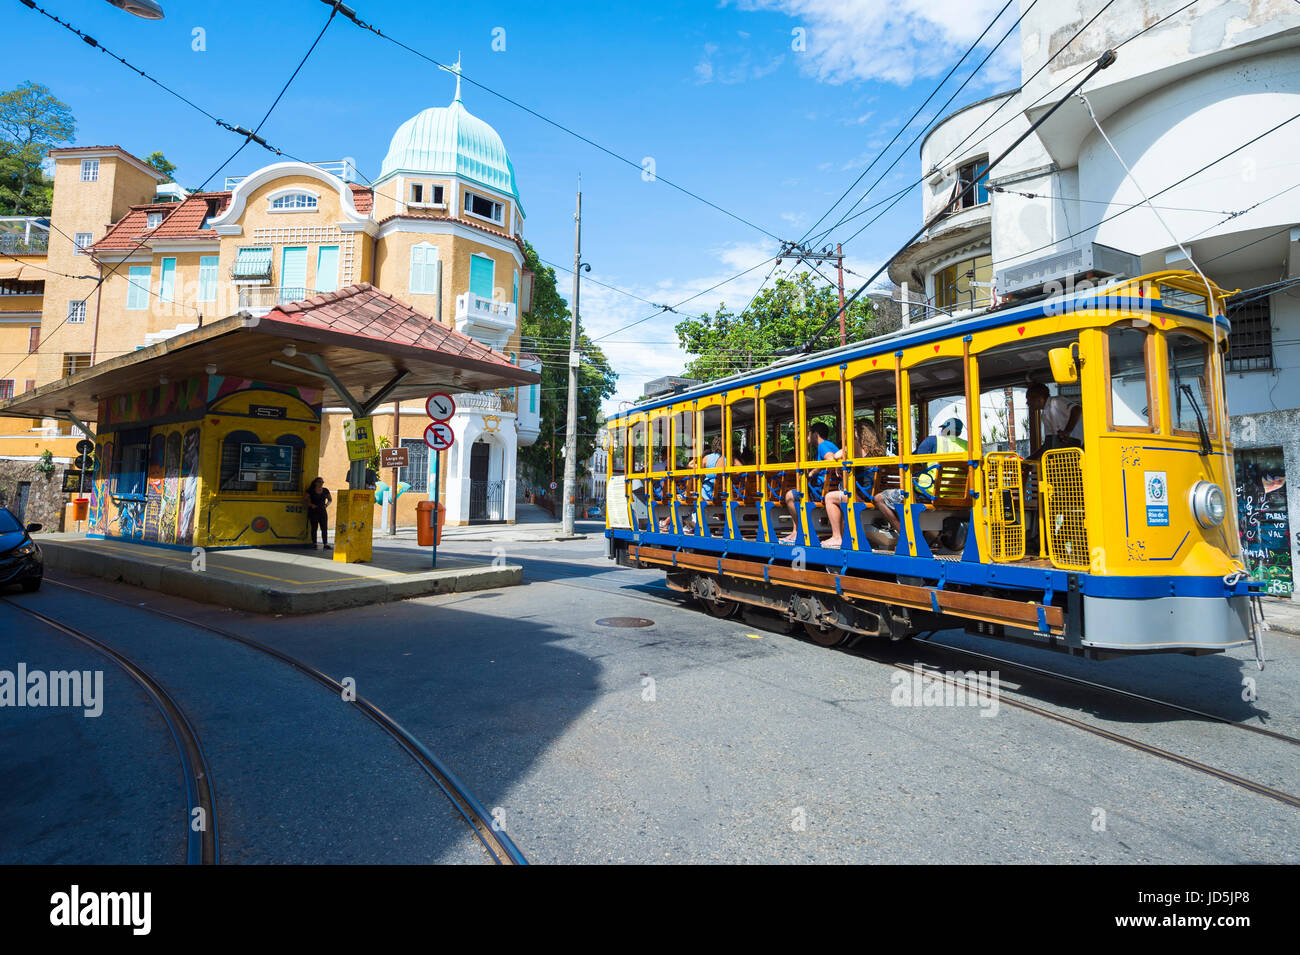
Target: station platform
[276, 580]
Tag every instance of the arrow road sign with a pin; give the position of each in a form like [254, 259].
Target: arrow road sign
[439, 436]
[440, 406]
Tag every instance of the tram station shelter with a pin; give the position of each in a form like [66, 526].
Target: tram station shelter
[211, 436]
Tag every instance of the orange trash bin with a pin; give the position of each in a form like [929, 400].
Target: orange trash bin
[80, 508]
[424, 532]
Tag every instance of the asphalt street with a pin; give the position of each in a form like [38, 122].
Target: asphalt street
[690, 739]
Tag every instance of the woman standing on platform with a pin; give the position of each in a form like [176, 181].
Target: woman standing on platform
[318, 498]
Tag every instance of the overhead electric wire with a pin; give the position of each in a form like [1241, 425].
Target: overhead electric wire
[351, 14]
[939, 112]
[850, 216]
[249, 136]
[916, 112]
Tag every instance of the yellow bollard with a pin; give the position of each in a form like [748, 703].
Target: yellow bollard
[353, 526]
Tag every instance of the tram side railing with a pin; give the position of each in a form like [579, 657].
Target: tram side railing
[1065, 523]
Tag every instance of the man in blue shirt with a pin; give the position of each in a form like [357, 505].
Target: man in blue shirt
[825, 450]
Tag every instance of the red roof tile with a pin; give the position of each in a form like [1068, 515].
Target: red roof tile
[365, 311]
[440, 218]
[363, 198]
[182, 220]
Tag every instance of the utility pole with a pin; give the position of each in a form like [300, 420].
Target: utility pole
[571, 433]
[839, 264]
[801, 253]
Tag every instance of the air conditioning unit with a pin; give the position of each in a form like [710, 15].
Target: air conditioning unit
[1089, 262]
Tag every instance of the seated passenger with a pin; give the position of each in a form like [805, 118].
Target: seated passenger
[948, 439]
[867, 444]
[823, 450]
[712, 459]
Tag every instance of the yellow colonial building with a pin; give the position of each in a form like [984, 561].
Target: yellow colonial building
[440, 230]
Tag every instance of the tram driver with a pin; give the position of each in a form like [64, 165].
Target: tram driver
[1062, 420]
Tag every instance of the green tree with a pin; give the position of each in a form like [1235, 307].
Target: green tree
[32, 120]
[162, 164]
[784, 314]
[545, 329]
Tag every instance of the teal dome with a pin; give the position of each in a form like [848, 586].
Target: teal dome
[450, 140]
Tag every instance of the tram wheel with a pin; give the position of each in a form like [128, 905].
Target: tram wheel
[824, 636]
[722, 609]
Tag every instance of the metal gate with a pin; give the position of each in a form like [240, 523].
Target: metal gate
[486, 498]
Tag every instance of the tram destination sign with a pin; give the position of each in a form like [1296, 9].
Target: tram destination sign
[265, 462]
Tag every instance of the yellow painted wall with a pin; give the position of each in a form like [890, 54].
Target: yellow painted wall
[264, 517]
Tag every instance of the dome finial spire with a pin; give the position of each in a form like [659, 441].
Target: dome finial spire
[456, 69]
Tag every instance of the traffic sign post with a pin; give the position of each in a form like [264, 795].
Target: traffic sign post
[440, 406]
[439, 437]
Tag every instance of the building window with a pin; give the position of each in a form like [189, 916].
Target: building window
[137, 287]
[76, 312]
[417, 473]
[482, 275]
[295, 480]
[131, 463]
[167, 281]
[228, 477]
[327, 268]
[1250, 343]
[965, 284]
[6, 388]
[208, 278]
[417, 192]
[90, 170]
[967, 174]
[33, 339]
[294, 200]
[424, 269]
[422, 195]
[484, 208]
[75, 363]
[83, 240]
[29, 385]
[252, 264]
[153, 220]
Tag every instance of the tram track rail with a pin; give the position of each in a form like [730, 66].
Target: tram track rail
[496, 842]
[201, 841]
[1250, 785]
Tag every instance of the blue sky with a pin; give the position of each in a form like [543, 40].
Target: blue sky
[716, 95]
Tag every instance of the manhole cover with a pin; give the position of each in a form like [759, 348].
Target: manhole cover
[624, 622]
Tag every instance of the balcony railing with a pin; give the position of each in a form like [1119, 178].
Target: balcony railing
[269, 296]
[471, 307]
[16, 244]
[489, 401]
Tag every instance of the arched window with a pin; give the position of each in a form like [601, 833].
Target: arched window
[294, 200]
[299, 446]
[229, 476]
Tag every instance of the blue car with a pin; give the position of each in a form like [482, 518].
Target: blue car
[20, 556]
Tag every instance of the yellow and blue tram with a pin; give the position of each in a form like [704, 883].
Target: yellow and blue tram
[914, 481]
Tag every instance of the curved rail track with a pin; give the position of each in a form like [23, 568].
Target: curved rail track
[862, 650]
[496, 842]
[201, 839]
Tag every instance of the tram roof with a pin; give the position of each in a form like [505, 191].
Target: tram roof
[946, 326]
[362, 337]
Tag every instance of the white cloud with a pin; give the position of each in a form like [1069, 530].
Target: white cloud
[896, 41]
[735, 64]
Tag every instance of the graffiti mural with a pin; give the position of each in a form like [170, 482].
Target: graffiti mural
[1263, 519]
[189, 489]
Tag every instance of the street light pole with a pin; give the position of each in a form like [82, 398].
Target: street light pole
[571, 435]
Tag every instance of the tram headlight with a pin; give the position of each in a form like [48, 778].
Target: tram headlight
[1209, 506]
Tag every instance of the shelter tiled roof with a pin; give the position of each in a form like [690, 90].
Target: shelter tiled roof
[365, 311]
